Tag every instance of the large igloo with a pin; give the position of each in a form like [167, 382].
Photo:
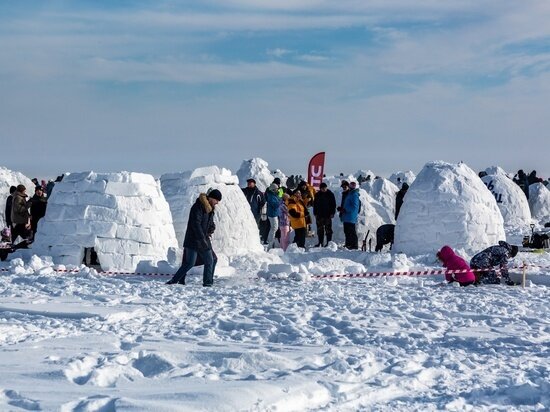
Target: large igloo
[384, 191]
[122, 216]
[10, 178]
[236, 230]
[539, 202]
[257, 169]
[510, 199]
[448, 204]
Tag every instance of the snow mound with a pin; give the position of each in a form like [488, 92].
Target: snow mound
[256, 169]
[123, 216]
[539, 202]
[236, 230]
[496, 170]
[384, 191]
[10, 178]
[510, 199]
[405, 177]
[364, 173]
[447, 204]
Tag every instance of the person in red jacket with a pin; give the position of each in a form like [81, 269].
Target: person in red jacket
[452, 261]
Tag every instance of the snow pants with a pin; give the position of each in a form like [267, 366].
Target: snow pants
[352, 242]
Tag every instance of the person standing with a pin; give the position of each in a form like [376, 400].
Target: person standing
[255, 199]
[20, 216]
[200, 228]
[350, 215]
[297, 213]
[9, 203]
[284, 221]
[324, 209]
[522, 180]
[273, 201]
[38, 208]
[399, 197]
[345, 191]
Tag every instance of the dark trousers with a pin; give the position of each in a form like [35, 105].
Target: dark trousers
[190, 257]
[20, 230]
[300, 237]
[352, 242]
[324, 226]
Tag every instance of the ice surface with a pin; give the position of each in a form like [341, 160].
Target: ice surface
[447, 204]
[10, 178]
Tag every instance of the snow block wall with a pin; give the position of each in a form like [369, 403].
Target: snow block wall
[384, 191]
[123, 216]
[539, 202]
[236, 230]
[447, 204]
[258, 170]
[10, 178]
[510, 199]
[406, 177]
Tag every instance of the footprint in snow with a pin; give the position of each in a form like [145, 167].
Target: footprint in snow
[96, 403]
[152, 365]
[14, 398]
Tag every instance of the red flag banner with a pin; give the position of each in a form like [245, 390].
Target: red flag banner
[316, 169]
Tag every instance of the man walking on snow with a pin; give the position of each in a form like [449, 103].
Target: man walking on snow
[197, 239]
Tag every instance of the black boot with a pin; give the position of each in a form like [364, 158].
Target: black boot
[173, 281]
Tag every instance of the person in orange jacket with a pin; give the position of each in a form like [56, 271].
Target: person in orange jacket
[297, 212]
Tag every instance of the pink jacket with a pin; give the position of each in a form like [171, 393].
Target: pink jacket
[454, 262]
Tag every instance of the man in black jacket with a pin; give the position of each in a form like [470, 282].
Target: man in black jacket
[399, 197]
[38, 208]
[9, 202]
[197, 239]
[324, 209]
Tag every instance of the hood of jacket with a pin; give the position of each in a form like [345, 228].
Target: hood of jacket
[205, 203]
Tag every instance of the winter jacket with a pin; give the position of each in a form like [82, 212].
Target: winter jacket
[200, 225]
[454, 262]
[9, 202]
[273, 202]
[20, 209]
[297, 213]
[308, 194]
[38, 207]
[352, 205]
[493, 256]
[255, 199]
[399, 198]
[284, 219]
[324, 204]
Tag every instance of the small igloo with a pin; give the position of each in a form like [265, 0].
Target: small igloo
[384, 191]
[510, 199]
[10, 178]
[398, 178]
[122, 216]
[448, 204]
[258, 170]
[539, 202]
[236, 230]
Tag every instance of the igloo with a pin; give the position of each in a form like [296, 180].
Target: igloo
[384, 191]
[257, 169]
[404, 177]
[510, 199]
[236, 230]
[122, 216]
[539, 202]
[10, 178]
[447, 204]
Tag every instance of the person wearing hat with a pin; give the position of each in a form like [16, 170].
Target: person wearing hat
[38, 207]
[20, 216]
[273, 203]
[324, 209]
[345, 191]
[255, 199]
[497, 255]
[349, 215]
[197, 244]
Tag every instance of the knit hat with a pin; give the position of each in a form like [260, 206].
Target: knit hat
[322, 185]
[215, 194]
[274, 188]
[277, 181]
[344, 183]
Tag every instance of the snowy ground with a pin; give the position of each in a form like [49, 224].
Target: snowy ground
[86, 342]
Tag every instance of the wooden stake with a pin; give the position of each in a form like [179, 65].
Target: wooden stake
[524, 275]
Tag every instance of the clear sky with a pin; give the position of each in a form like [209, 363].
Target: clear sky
[160, 86]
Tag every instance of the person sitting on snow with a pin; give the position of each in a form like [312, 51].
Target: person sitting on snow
[450, 260]
[497, 255]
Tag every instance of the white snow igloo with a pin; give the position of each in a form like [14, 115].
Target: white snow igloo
[236, 230]
[539, 202]
[384, 191]
[447, 204]
[405, 177]
[257, 169]
[10, 178]
[510, 199]
[123, 216]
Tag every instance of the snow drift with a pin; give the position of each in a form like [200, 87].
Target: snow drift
[447, 204]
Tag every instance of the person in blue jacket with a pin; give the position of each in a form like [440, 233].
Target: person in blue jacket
[273, 202]
[350, 214]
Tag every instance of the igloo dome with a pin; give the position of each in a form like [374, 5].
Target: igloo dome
[384, 191]
[122, 216]
[398, 178]
[447, 204]
[257, 169]
[510, 199]
[539, 202]
[10, 178]
[236, 230]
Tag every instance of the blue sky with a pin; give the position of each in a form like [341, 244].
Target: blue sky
[156, 86]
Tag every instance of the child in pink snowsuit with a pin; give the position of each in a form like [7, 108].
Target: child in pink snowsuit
[454, 262]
